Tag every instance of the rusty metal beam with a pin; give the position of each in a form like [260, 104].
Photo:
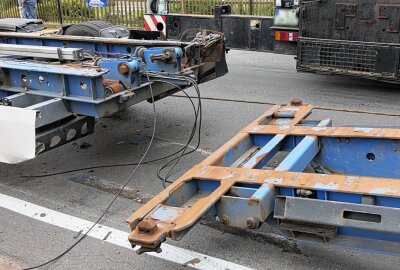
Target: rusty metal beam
[338, 132]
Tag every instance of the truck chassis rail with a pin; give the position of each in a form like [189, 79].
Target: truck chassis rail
[312, 181]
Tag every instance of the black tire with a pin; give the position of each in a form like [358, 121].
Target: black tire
[90, 29]
[154, 6]
[101, 24]
[81, 30]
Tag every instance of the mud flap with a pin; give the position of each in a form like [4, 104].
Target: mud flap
[17, 134]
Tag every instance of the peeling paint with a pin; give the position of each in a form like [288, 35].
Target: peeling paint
[232, 175]
[365, 130]
[201, 171]
[290, 109]
[273, 180]
[349, 180]
[383, 191]
[281, 121]
[256, 128]
[318, 128]
[330, 186]
[283, 127]
[165, 213]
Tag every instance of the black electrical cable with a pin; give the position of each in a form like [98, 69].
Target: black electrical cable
[197, 112]
[177, 159]
[117, 195]
[100, 167]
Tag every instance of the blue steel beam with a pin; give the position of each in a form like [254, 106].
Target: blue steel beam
[259, 159]
[301, 156]
[246, 211]
[90, 88]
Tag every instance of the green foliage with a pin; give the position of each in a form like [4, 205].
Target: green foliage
[206, 7]
[8, 3]
[76, 9]
[9, 8]
[266, 10]
[48, 11]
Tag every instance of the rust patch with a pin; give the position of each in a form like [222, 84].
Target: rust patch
[261, 157]
[339, 132]
[147, 226]
[192, 262]
[124, 69]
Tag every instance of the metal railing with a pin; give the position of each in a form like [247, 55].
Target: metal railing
[9, 9]
[244, 7]
[128, 12]
[119, 12]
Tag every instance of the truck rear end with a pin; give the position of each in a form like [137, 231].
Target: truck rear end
[350, 37]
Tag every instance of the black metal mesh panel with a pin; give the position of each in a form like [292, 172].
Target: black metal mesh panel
[309, 18]
[357, 57]
[336, 38]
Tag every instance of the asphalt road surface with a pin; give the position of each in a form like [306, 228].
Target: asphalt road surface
[71, 199]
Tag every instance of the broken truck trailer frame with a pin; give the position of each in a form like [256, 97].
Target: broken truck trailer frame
[340, 185]
[63, 83]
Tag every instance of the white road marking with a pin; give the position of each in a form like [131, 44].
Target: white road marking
[120, 238]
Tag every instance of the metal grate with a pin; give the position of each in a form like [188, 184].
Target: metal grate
[309, 22]
[336, 56]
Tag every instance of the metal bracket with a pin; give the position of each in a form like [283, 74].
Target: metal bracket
[59, 53]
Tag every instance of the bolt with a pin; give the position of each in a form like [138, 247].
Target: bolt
[305, 193]
[296, 102]
[253, 223]
[225, 220]
[108, 92]
[147, 226]
[124, 69]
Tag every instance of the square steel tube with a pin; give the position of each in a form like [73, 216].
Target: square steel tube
[42, 52]
[367, 217]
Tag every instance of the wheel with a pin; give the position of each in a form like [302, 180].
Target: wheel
[90, 28]
[152, 6]
[101, 24]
